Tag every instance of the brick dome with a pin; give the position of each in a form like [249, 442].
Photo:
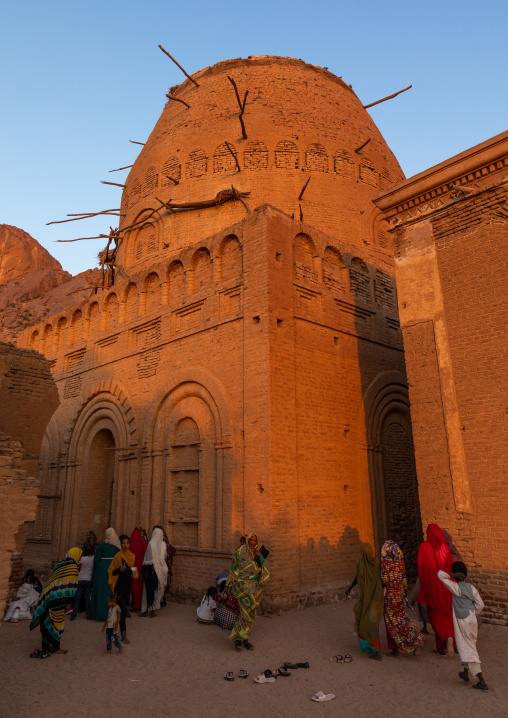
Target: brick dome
[301, 121]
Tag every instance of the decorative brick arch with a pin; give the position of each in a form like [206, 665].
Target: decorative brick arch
[387, 420]
[196, 395]
[106, 409]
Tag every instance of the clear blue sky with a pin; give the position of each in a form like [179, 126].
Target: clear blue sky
[79, 80]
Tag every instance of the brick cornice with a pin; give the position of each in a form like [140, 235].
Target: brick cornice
[469, 166]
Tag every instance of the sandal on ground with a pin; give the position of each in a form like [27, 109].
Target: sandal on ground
[348, 658]
[36, 654]
[264, 679]
[320, 697]
[268, 674]
[337, 659]
[480, 686]
[282, 672]
[248, 646]
[45, 654]
[243, 674]
[440, 653]
[464, 676]
[238, 645]
[229, 676]
[304, 665]
[293, 666]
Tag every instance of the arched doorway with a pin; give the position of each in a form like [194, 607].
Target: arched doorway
[402, 508]
[392, 469]
[99, 481]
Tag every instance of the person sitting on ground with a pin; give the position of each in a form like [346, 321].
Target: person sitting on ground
[120, 572]
[111, 624]
[206, 608]
[49, 614]
[467, 604]
[370, 605]
[31, 578]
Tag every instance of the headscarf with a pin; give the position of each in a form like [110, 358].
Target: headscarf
[454, 550]
[138, 546]
[434, 555]
[391, 551]
[170, 549]
[59, 590]
[90, 548]
[369, 607]
[156, 556]
[74, 553]
[119, 559]
[112, 538]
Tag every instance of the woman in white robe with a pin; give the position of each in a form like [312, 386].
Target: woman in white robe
[155, 557]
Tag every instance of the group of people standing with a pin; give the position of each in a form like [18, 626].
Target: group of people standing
[447, 600]
[137, 572]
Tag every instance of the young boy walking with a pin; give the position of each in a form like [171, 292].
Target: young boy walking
[467, 603]
[111, 624]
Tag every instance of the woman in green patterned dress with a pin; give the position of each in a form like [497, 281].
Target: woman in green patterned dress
[246, 581]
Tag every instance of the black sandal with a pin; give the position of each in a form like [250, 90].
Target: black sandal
[229, 676]
[269, 674]
[282, 672]
[248, 646]
[304, 665]
[36, 654]
[238, 645]
[243, 674]
[293, 666]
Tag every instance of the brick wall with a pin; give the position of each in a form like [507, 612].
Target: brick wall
[451, 229]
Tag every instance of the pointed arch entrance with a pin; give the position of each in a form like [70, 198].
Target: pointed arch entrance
[392, 469]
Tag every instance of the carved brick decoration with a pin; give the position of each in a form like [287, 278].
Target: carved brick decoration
[286, 155]
[196, 164]
[255, 156]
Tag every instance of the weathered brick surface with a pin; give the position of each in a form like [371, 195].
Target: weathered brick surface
[28, 397]
[451, 236]
[246, 368]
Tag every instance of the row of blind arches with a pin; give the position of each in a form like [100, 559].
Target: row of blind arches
[256, 156]
[155, 290]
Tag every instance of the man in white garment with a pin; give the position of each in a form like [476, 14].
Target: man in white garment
[467, 603]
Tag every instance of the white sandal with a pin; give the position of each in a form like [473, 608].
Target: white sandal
[320, 697]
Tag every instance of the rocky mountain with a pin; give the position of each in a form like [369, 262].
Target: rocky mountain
[33, 284]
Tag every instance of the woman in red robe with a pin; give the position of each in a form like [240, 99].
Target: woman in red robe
[138, 548]
[434, 555]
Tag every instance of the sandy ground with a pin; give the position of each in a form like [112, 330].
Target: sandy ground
[174, 667]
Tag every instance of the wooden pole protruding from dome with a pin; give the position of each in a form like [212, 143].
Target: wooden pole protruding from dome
[115, 184]
[122, 168]
[241, 105]
[137, 143]
[178, 65]
[390, 97]
[234, 156]
[362, 146]
[300, 196]
[177, 99]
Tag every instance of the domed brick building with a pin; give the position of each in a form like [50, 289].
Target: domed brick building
[244, 370]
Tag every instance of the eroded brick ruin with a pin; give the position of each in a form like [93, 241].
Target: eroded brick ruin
[245, 370]
[28, 398]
